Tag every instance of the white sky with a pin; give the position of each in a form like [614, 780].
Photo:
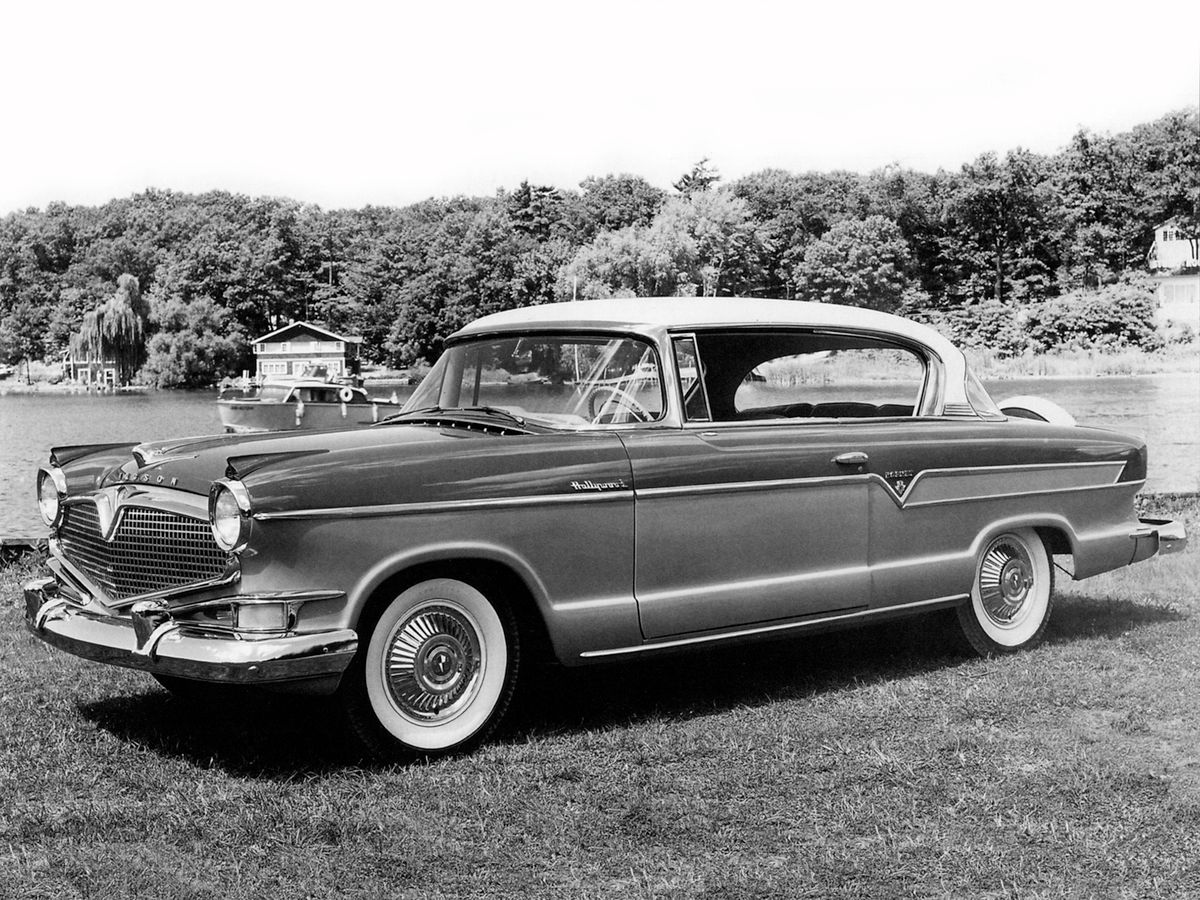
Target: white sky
[349, 103]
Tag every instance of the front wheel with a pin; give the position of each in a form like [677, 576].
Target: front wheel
[1012, 594]
[438, 674]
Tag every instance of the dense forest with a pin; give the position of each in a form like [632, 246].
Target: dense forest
[1015, 253]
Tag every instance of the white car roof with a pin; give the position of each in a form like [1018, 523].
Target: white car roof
[653, 316]
[681, 313]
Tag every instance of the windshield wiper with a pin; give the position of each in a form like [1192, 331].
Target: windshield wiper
[495, 411]
[424, 410]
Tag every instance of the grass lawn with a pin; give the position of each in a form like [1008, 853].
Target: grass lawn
[872, 763]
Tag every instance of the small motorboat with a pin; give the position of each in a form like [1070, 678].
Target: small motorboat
[302, 402]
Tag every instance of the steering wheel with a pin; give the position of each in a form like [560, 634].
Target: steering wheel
[622, 400]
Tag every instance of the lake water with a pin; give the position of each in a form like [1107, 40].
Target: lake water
[1162, 409]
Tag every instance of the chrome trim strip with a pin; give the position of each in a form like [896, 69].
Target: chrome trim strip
[780, 483]
[767, 629]
[132, 493]
[261, 597]
[750, 584]
[726, 487]
[411, 509]
[995, 470]
[924, 504]
[403, 509]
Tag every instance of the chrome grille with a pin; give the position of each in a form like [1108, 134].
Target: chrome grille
[152, 550]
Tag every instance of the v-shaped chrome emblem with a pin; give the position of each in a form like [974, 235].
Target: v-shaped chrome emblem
[106, 512]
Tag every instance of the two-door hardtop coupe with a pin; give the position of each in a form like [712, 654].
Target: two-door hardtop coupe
[599, 480]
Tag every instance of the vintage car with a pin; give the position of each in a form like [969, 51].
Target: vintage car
[590, 480]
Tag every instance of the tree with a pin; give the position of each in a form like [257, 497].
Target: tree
[705, 243]
[116, 330]
[700, 178]
[998, 243]
[536, 210]
[196, 342]
[793, 211]
[859, 263]
[22, 334]
[615, 201]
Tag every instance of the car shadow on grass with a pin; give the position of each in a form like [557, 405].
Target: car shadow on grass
[759, 673]
[277, 736]
[249, 733]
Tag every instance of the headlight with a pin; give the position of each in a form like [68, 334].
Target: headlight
[229, 514]
[51, 492]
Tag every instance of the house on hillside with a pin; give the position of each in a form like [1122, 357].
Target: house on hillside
[293, 348]
[1174, 261]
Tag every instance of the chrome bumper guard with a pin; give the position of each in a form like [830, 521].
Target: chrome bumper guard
[1158, 536]
[150, 640]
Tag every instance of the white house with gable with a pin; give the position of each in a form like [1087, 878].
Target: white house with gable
[1175, 263]
[293, 348]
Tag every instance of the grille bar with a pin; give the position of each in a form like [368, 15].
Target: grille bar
[151, 550]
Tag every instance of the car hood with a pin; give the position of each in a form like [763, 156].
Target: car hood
[390, 463]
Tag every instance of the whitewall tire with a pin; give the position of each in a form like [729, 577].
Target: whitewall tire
[438, 673]
[1011, 596]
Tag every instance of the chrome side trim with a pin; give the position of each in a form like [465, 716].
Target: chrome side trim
[412, 509]
[408, 509]
[1065, 490]
[900, 499]
[750, 584]
[859, 615]
[929, 474]
[773, 484]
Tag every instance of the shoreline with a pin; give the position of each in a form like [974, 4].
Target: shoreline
[1059, 365]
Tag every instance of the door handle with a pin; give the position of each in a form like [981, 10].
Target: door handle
[854, 458]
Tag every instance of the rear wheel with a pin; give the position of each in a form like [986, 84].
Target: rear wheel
[438, 673]
[1012, 594]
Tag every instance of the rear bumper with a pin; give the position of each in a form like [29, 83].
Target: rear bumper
[1157, 536]
[168, 647]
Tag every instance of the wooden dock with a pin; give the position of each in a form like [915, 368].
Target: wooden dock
[13, 548]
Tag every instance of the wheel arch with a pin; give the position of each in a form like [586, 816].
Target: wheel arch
[1055, 530]
[485, 567]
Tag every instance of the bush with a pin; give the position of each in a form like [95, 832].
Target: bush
[988, 325]
[1116, 316]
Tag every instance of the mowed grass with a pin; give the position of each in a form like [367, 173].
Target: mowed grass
[872, 763]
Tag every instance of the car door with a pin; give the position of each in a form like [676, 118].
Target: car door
[738, 524]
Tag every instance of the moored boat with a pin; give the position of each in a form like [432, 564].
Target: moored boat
[300, 403]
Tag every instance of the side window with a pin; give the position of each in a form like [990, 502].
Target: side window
[809, 375]
[691, 387]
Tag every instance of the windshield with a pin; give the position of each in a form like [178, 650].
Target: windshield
[566, 381]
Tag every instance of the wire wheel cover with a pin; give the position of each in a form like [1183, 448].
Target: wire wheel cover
[1006, 579]
[433, 663]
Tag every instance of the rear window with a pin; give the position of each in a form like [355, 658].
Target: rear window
[808, 375]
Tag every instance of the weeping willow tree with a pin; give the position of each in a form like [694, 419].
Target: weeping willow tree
[116, 330]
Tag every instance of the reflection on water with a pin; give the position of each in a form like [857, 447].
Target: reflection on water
[1162, 409]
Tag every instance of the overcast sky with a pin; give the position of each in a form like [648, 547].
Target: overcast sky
[353, 103]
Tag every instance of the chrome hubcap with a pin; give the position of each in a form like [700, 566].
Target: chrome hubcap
[433, 663]
[1005, 580]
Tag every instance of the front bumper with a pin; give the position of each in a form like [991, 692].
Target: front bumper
[154, 642]
[1157, 536]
